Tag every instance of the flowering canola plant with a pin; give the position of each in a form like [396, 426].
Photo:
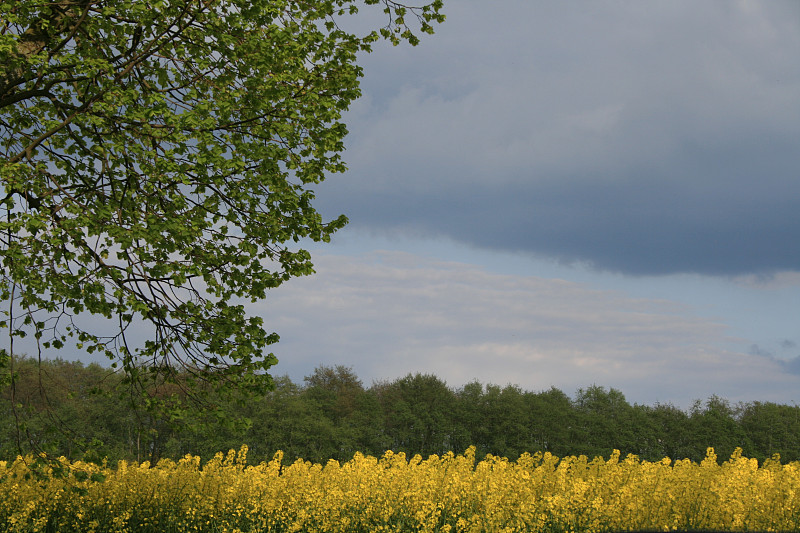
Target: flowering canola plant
[451, 493]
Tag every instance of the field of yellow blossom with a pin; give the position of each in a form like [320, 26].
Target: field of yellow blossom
[451, 493]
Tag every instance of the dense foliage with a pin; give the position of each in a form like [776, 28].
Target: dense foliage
[397, 493]
[332, 415]
[157, 160]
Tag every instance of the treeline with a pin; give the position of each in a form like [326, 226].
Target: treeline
[70, 409]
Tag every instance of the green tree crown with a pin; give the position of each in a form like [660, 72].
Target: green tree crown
[156, 160]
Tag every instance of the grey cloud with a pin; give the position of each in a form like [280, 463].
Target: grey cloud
[755, 349]
[790, 366]
[646, 141]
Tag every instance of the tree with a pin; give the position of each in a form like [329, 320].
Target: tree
[418, 413]
[509, 421]
[355, 414]
[62, 406]
[714, 424]
[672, 434]
[336, 390]
[772, 429]
[606, 419]
[155, 165]
[470, 418]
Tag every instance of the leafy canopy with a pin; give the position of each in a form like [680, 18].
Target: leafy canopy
[156, 159]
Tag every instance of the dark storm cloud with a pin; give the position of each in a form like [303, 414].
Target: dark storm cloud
[644, 140]
[730, 216]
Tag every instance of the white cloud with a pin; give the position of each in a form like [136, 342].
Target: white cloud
[391, 313]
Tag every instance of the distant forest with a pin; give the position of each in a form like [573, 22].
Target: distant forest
[332, 415]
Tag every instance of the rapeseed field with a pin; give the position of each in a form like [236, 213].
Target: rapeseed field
[394, 493]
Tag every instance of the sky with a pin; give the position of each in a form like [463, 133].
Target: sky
[568, 194]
